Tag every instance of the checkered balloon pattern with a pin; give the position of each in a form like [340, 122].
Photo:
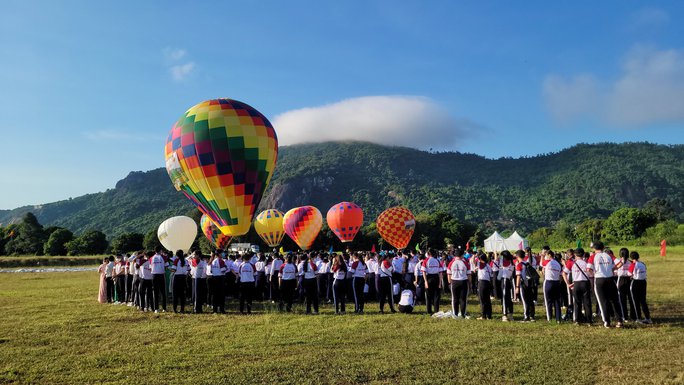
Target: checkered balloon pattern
[221, 154]
[396, 225]
[345, 219]
[303, 224]
[269, 225]
[213, 234]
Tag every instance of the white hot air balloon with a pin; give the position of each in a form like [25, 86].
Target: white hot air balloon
[177, 233]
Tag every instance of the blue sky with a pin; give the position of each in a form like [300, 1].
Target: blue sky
[90, 89]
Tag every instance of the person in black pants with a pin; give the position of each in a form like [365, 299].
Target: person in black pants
[322, 279]
[287, 282]
[638, 288]
[339, 287]
[606, 290]
[458, 276]
[484, 287]
[524, 286]
[307, 269]
[246, 274]
[624, 284]
[385, 284]
[109, 278]
[199, 281]
[576, 278]
[432, 274]
[419, 281]
[180, 273]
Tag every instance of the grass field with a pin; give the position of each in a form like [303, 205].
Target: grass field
[52, 330]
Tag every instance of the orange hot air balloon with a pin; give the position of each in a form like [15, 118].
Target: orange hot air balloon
[345, 220]
[303, 224]
[396, 226]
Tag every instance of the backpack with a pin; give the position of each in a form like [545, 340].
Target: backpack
[531, 276]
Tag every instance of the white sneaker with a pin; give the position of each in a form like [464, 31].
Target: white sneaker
[129, 305]
[156, 312]
[467, 316]
[504, 319]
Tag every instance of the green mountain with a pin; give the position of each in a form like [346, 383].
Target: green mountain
[526, 193]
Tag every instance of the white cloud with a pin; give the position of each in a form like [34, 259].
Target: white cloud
[411, 121]
[649, 90]
[181, 71]
[650, 17]
[174, 54]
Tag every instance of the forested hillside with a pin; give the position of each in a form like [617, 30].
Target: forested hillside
[584, 181]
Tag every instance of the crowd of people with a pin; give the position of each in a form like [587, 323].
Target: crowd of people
[571, 282]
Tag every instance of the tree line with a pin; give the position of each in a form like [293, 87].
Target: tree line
[440, 230]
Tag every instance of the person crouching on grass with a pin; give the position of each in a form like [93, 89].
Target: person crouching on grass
[637, 270]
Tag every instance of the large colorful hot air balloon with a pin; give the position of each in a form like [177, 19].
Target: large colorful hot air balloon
[396, 226]
[345, 220]
[221, 154]
[303, 224]
[269, 226]
[213, 234]
[177, 233]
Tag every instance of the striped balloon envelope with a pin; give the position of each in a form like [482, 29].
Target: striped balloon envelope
[213, 234]
[303, 224]
[396, 225]
[221, 154]
[269, 225]
[345, 220]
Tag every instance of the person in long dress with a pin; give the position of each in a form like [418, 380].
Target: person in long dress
[102, 294]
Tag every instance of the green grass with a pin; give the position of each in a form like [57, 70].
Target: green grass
[52, 330]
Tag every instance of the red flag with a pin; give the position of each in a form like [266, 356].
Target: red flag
[663, 247]
[468, 245]
[373, 249]
[520, 246]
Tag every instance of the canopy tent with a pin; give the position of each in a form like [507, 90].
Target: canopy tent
[495, 243]
[516, 242]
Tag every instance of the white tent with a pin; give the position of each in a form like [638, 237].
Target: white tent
[515, 241]
[495, 243]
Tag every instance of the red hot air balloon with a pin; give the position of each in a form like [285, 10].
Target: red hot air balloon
[345, 220]
[396, 225]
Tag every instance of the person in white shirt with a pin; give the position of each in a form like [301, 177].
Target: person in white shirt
[323, 279]
[287, 284]
[145, 270]
[552, 270]
[577, 279]
[623, 285]
[307, 271]
[260, 283]
[458, 276]
[135, 283]
[198, 271]
[358, 270]
[109, 280]
[372, 280]
[339, 286]
[432, 274]
[637, 271]
[216, 270]
[158, 266]
[273, 279]
[385, 270]
[406, 302]
[247, 276]
[603, 267]
[179, 268]
[484, 286]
